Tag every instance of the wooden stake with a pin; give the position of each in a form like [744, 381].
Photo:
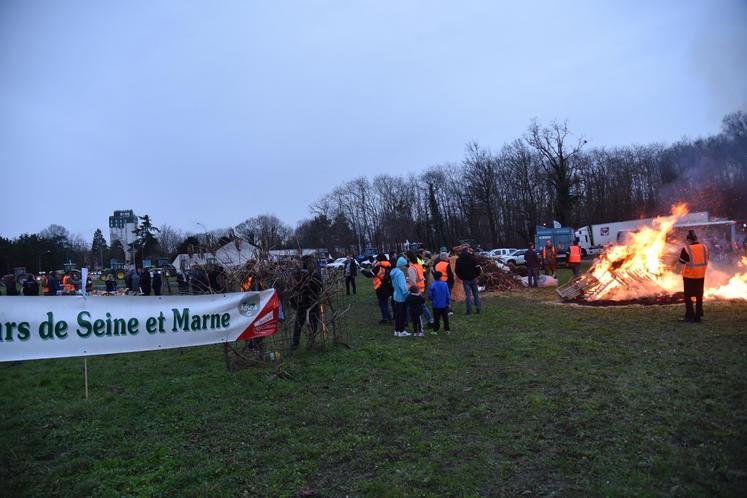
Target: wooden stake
[85, 374]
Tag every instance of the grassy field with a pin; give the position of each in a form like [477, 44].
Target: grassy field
[527, 398]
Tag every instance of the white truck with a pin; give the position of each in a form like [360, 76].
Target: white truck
[602, 234]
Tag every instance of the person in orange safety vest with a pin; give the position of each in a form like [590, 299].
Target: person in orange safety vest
[574, 258]
[694, 257]
[549, 260]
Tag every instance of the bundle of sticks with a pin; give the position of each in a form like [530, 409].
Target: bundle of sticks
[497, 277]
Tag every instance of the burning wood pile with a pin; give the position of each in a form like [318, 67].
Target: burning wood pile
[644, 271]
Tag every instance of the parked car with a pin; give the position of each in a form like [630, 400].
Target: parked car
[338, 263]
[499, 253]
[515, 258]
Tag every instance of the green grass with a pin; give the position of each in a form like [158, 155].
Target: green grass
[528, 397]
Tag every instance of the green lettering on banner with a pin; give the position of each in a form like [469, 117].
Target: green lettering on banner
[150, 324]
[120, 326]
[24, 331]
[225, 320]
[9, 326]
[180, 321]
[196, 322]
[60, 330]
[99, 328]
[83, 322]
[46, 328]
[23, 328]
[132, 326]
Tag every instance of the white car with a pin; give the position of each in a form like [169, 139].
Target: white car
[339, 263]
[515, 258]
[499, 253]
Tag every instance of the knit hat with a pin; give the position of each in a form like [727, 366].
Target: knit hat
[401, 262]
[444, 256]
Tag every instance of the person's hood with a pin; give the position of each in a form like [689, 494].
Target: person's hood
[401, 262]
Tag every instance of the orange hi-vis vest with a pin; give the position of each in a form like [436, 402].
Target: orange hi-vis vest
[574, 255]
[696, 267]
[442, 267]
[544, 252]
[419, 277]
[377, 280]
[247, 284]
[45, 285]
[66, 285]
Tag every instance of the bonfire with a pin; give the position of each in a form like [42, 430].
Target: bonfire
[644, 268]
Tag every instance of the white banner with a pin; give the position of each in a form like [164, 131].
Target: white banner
[55, 327]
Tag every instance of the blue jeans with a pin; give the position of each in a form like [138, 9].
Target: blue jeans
[532, 276]
[470, 286]
[384, 307]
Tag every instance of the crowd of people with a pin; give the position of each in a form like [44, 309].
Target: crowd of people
[50, 284]
[405, 282]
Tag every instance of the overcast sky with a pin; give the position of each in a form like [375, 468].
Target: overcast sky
[213, 112]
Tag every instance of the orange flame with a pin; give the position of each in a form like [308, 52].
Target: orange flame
[646, 266]
[736, 288]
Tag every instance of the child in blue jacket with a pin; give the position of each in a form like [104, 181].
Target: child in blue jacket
[440, 298]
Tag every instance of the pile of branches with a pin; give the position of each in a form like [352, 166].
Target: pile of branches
[288, 280]
[497, 277]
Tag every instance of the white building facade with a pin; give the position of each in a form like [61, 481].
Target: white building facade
[122, 225]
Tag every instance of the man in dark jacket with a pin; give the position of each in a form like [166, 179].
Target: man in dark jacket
[145, 281]
[305, 298]
[53, 285]
[468, 270]
[30, 286]
[351, 270]
[156, 283]
[111, 284]
[10, 285]
[532, 259]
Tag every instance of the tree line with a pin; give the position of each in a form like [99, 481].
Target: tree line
[495, 197]
[548, 174]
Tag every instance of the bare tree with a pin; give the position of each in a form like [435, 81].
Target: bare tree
[266, 231]
[558, 162]
[170, 238]
[481, 173]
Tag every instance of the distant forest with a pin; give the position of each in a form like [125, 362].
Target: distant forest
[498, 197]
[494, 197]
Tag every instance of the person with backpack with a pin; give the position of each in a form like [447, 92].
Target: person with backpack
[382, 284]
